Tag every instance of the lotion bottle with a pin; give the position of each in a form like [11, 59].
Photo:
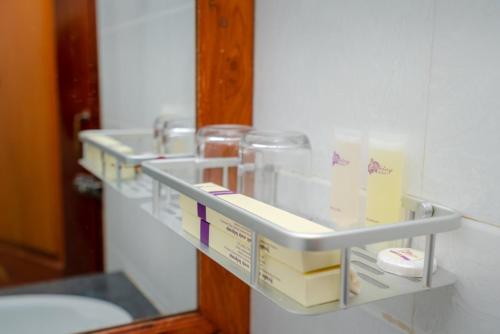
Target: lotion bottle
[386, 159]
[345, 178]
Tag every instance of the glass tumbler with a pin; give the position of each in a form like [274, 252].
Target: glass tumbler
[220, 141]
[174, 134]
[275, 168]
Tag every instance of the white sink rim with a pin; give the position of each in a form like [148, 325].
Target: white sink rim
[54, 313]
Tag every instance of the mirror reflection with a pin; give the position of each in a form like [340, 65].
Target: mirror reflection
[69, 241]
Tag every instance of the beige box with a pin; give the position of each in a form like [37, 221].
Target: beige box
[127, 172]
[231, 247]
[191, 224]
[300, 261]
[308, 289]
[92, 156]
[314, 288]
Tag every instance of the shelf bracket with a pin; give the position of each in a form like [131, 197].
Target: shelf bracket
[156, 197]
[344, 277]
[103, 165]
[254, 268]
[118, 174]
[430, 244]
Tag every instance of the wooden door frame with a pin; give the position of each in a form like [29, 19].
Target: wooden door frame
[224, 91]
[78, 95]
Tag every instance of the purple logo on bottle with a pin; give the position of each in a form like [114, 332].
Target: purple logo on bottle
[337, 160]
[375, 167]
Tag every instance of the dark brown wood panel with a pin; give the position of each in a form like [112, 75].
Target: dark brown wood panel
[224, 95]
[223, 298]
[224, 61]
[179, 324]
[78, 109]
[21, 266]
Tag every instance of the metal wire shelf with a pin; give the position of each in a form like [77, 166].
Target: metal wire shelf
[425, 219]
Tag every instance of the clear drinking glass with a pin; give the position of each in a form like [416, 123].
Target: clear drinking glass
[275, 168]
[217, 141]
[174, 134]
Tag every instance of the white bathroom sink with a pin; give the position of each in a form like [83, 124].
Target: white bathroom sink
[56, 314]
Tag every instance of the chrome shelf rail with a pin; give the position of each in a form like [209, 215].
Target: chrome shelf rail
[142, 141]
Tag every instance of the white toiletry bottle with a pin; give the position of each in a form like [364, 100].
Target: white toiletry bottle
[345, 177]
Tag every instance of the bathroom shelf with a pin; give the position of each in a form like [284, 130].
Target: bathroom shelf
[142, 143]
[428, 219]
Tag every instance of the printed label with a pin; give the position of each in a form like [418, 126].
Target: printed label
[265, 275]
[338, 160]
[267, 247]
[406, 254]
[237, 230]
[238, 260]
[375, 167]
[334, 208]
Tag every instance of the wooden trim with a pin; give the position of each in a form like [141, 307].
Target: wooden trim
[21, 266]
[179, 324]
[224, 95]
[224, 56]
[78, 95]
[223, 298]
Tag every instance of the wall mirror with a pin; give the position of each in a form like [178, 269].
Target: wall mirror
[74, 251]
[146, 52]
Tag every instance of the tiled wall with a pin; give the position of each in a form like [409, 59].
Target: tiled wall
[146, 59]
[429, 70]
[147, 64]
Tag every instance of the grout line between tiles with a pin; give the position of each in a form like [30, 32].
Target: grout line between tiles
[428, 102]
[143, 19]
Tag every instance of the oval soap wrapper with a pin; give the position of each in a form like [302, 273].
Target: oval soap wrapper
[407, 262]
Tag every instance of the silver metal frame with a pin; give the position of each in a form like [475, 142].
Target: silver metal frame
[138, 189]
[426, 219]
[126, 159]
[443, 219]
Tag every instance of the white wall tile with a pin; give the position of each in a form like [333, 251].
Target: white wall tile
[462, 150]
[146, 60]
[122, 12]
[267, 318]
[472, 305]
[162, 265]
[352, 64]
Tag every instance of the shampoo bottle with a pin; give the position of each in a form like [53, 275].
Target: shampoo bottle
[345, 177]
[385, 185]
